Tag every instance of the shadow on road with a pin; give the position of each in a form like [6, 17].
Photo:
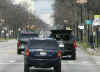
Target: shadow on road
[67, 58]
[32, 70]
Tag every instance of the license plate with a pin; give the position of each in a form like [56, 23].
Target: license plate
[43, 53]
[61, 45]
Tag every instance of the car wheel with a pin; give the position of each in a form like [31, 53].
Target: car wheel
[18, 52]
[74, 56]
[26, 68]
[57, 67]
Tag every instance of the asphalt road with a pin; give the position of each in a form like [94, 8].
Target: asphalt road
[11, 62]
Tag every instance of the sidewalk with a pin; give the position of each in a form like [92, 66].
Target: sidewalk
[94, 52]
[3, 40]
[90, 51]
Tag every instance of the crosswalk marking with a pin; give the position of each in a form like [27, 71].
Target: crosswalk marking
[73, 63]
[78, 63]
[14, 61]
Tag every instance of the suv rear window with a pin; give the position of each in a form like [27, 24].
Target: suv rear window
[62, 34]
[22, 36]
[45, 44]
[63, 37]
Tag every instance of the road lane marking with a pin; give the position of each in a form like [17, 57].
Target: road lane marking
[98, 63]
[77, 63]
[73, 63]
[10, 63]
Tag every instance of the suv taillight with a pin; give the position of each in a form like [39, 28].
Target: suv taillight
[27, 52]
[74, 44]
[59, 54]
[18, 43]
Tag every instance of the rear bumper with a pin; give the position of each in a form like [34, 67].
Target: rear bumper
[21, 49]
[41, 63]
[68, 52]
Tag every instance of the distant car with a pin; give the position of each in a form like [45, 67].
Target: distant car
[42, 53]
[66, 41]
[23, 38]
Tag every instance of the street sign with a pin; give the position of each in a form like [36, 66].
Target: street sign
[81, 26]
[68, 28]
[96, 16]
[96, 22]
[88, 22]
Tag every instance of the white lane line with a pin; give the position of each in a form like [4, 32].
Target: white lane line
[83, 63]
[10, 63]
[77, 63]
[98, 63]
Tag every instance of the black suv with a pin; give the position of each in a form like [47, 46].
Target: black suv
[23, 38]
[67, 42]
[42, 53]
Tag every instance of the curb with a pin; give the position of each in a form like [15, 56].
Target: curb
[3, 40]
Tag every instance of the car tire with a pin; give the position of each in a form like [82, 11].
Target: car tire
[18, 52]
[26, 68]
[57, 67]
[74, 56]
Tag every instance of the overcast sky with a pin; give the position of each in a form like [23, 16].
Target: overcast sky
[44, 9]
[41, 8]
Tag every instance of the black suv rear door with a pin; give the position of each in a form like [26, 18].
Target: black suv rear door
[43, 49]
[65, 36]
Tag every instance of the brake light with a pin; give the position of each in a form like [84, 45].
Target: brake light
[27, 52]
[18, 43]
[74, 44]
[59, 54]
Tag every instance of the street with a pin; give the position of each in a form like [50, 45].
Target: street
[11, 62]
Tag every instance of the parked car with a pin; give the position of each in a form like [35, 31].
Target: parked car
[66, 41]
[23, 38]
[42, 53]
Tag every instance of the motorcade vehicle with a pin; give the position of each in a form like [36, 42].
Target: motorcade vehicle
[66, 41]
[22, 40]
[42, 53]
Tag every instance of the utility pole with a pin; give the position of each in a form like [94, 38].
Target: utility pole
[81, 3]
